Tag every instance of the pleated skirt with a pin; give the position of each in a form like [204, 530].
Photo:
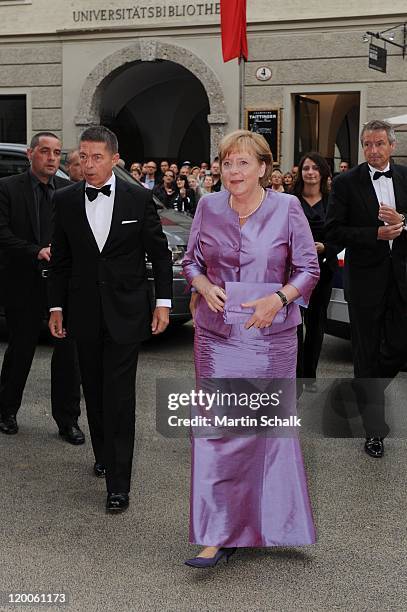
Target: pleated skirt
[248, 491]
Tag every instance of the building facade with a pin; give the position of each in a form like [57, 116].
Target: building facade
[154, 73]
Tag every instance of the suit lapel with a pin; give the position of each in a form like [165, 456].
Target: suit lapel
[30, 203]
[80, 202]
[120, 196]
[368, 193]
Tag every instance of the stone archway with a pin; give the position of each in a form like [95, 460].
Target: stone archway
[147, 49]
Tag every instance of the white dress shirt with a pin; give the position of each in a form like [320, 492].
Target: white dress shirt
[384, 189]
[99, 213]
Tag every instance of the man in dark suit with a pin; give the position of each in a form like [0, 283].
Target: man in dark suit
[104, 229]
[366, 214]
[25, 235]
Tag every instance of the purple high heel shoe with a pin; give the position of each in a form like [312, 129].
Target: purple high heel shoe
[202, 562]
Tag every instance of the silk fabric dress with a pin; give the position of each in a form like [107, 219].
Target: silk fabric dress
[249, 490]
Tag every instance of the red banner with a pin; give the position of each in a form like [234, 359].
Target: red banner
[233, 27]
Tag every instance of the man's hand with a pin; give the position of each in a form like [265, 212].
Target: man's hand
[266, 309]
[389, 232]
[45, 253]
[55, 324]
[389, 215]
[161, 318]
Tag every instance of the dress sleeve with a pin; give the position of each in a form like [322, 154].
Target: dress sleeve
[193, 263]
[304, 270]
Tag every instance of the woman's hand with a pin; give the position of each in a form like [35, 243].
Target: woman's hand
[320, 247]
[214, 295]
[193, 304]
[266, 309]
[183, 192]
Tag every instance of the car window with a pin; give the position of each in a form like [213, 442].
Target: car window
[12, 163]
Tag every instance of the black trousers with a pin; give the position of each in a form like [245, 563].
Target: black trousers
[379, 345]
[24, 325]
[108, 373]
[314, 320]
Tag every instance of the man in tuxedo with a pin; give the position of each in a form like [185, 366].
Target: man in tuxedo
[104, 229]
[25, 235]
[366, 214]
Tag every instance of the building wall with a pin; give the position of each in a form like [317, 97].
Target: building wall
[36, 70]
[310, 47]
[327, 59]
[21, 17]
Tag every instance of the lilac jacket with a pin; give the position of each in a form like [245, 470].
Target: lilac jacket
[275, 245]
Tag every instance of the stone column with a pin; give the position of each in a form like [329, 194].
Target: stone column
[217, 125]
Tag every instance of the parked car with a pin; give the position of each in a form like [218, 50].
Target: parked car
[176, 226]
[338, 316]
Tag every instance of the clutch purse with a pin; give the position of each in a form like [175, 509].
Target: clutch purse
[240, 293]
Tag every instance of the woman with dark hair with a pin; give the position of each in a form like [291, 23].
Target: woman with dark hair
[166, 191]
[311, 188]
[185, 198]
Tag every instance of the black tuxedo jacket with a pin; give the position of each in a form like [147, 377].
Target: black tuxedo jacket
[352, 221]
[19, 237]
[110, 285]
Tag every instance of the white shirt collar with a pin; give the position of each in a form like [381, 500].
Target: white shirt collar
[373, 170]
[111, 181]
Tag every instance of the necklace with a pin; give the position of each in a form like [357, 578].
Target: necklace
[241, 217]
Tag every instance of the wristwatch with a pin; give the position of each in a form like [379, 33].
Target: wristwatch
[282, 297]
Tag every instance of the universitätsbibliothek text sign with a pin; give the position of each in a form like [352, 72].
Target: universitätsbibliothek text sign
[138, 13]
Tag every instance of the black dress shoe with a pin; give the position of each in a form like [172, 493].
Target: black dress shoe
[8, 424]
[311, 386]
[374, 447]
[99, 470]
[117, 502]
[73, 435]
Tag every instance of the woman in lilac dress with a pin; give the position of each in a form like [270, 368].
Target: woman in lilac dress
[248, 491]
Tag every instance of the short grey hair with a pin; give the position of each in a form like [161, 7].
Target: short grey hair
[100, 133]
[376, 125]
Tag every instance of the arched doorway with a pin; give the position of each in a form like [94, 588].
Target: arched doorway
[158, 110]
[151, 62]
[328, 123]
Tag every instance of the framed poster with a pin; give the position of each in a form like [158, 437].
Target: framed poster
[267, 123]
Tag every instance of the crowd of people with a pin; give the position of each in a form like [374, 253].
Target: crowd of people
[181, 186]
[178, 187]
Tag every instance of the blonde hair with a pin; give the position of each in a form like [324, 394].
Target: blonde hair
[251, 142]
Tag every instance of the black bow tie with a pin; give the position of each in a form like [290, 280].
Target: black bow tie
[93, 193]
[378, 174]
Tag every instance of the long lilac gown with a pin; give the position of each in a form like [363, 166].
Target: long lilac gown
[249, 490]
